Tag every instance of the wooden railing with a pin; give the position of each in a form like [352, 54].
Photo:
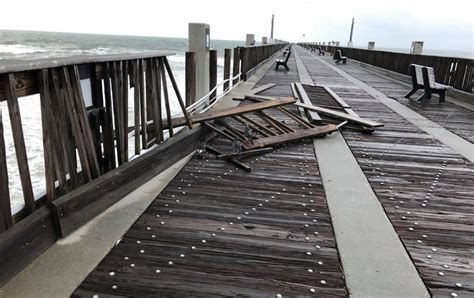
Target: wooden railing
[252, 56]
[87, 166]
[455, 72]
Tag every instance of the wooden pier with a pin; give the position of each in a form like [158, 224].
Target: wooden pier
[218, 230]
[267, 225]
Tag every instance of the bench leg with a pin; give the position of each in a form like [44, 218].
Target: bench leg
[423, 96]
[442, 96]
[411, 92]
[276, 67]
[343, 61]
[286, 67]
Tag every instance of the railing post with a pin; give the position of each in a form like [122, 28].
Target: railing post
[236, 64]
[190, 74]
[212, 72]
[227, 54]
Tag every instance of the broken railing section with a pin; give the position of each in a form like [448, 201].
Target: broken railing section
[264, 122]
[82, 143]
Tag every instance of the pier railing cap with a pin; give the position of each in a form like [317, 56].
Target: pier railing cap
[14, 65]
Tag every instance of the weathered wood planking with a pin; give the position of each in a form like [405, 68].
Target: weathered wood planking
[5, 206]
[454, 118]
[259, 231]
[19, 141]
[303, 97]
[423, 186]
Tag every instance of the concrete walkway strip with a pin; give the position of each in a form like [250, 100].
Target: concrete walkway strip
[374, 260]
[455, 142]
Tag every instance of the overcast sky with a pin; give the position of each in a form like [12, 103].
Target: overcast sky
[442, 25]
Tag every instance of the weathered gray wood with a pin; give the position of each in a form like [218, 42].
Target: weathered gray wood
[143, 109]
[340, 115]
[236, 65]
[108, 132]
[136, 104]
[17, 66]
[190, 74]
[212, 72]
[169, 120]
[227, 57]
[156, 92]
[289, 137]
[86, 129]
[312, 115]
[178, 94]
[5, 206]
[215, 114]
[18, 138]
[48, 135]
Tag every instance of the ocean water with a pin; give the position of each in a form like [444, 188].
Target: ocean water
[28, 45]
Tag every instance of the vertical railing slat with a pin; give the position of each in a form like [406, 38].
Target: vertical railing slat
[18, 138]
[5, 205]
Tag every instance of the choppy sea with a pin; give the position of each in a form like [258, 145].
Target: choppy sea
[27, 45]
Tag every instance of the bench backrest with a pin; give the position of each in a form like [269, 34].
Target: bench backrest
[321, 50]
[428, 75]
[417, 75]
[337, 55]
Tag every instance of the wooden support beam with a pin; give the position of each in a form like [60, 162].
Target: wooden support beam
[232, 160]
[290, 137]
[212, 72]
[136, 103]
[125, 89]
[5, 206]
[227, 56]
[215, 114]
[340, 115]
[236, 65]
[244, 154]
[19, 141]
[107, 128]
[190, 74]
[143, 108]
[157, 116]
[48, 129]
[169, 120]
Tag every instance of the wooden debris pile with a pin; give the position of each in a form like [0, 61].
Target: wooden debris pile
[261, 123]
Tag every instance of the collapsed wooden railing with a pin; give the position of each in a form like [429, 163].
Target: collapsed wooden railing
[452, 71]
[87, 166]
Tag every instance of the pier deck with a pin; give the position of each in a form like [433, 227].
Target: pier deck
[230, 232]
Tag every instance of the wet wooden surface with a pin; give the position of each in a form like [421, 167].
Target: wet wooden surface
[425, 188]
[229, 232]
